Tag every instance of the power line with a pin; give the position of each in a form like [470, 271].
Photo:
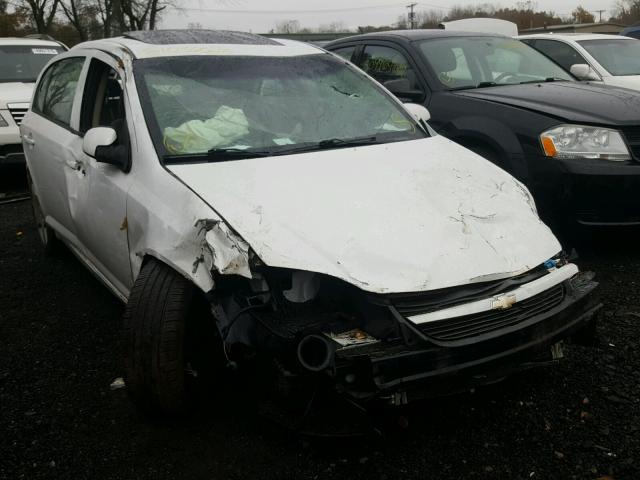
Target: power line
[278, 12]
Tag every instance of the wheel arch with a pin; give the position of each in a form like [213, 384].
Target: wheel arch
[477, 131]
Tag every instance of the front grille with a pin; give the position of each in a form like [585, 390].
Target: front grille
[18, 114]
[417, 303]
[484, 322]
[632, 134]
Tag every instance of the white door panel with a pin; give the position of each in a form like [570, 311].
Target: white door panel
[49, 149]
[97, 202]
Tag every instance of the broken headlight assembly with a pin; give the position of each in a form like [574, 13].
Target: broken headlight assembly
[576, 141]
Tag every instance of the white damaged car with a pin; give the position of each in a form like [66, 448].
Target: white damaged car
[265, 199]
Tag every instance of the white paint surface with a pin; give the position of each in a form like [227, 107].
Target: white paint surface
[398, 217]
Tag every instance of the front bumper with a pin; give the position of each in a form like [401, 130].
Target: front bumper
[11, 151]
[418, 367]
[11, 154]
[592, 192]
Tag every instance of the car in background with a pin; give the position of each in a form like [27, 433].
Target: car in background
[21, 60]
[273, 193]
[575, 145]
[610, 59]
[632, 31]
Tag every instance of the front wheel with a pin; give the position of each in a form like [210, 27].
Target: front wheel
[167, 341]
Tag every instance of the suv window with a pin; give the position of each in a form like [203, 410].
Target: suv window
[386, 64]
[22, 63]
[561, 53]
[57, 89]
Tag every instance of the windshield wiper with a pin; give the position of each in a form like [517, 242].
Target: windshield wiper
[548, 79]
[341, 142]
[327, 144]
[224, 154]
[234, 153]
[216, 155]
[486, 84]
[479, 85]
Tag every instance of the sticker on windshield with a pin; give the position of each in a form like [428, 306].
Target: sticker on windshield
[44, 51]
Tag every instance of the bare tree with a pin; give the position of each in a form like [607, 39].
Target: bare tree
[580, 15]
[626, 11]
[42, 12]
[333, 27]
[287, 26]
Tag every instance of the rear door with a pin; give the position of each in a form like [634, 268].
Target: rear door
[50, 138]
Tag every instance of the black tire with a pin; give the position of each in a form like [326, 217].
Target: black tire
[47, 236]
[155, 339]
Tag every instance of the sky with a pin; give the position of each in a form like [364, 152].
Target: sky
[260, 16]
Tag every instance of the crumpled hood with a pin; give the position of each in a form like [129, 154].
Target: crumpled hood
[570, 101]
[15, 92]
[397, 217]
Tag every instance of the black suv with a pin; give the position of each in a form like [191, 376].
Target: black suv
[575, 145]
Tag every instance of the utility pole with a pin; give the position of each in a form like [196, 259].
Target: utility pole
[600, 12]
[412, 15]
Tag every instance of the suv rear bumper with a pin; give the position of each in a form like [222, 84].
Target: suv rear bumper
[418, 368]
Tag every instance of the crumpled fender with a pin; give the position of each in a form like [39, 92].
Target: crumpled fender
[188, 236]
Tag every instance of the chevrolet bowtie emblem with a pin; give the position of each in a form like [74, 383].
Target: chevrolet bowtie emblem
[503, 302]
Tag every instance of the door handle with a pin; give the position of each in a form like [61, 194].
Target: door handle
[28, 139]
[73, 164]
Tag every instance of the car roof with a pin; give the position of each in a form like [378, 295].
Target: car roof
[170, 43]
[28, 41]
[575, 36]
[419, 34]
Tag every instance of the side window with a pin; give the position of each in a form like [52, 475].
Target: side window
[57, 89]
[389, 65]
[561, 53]
[345, 52]
[102, 99]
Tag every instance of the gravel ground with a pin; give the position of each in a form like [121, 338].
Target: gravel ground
[60, 419]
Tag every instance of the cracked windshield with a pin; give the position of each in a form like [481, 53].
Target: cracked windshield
[221, 108]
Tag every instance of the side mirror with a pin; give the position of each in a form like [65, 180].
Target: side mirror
[582, 71]
[98, 137]
[401, 88]
[419, 112]
[100, 143]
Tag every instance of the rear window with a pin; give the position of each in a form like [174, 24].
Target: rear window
[23, 63]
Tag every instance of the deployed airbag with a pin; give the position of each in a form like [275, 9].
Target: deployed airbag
[197, 136]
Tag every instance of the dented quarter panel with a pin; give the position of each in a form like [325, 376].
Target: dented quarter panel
[397, 217]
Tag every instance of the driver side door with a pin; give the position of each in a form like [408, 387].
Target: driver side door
[98, 191]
